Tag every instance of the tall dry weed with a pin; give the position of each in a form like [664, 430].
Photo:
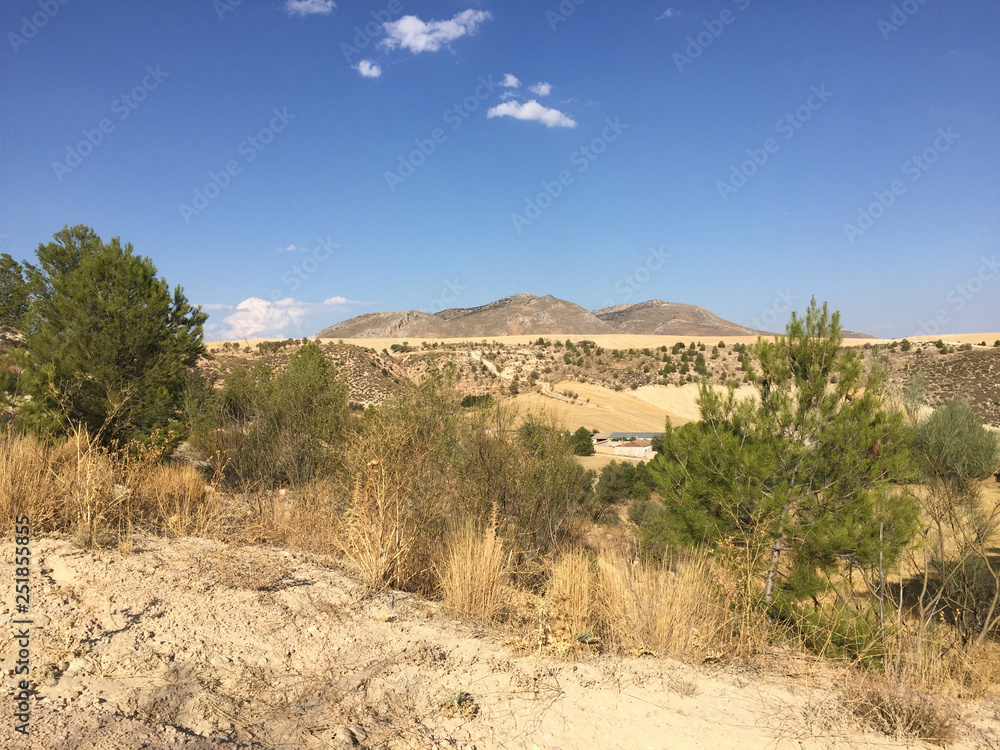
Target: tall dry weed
[473, 572]
[380, 537]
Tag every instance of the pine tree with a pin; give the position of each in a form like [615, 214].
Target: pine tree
[804, 472]
[13, 292]
[108, 344]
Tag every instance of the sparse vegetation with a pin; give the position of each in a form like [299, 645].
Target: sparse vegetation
[758, 525]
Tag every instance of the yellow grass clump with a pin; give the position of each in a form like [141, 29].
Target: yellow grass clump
[630, 606]
[473, 573]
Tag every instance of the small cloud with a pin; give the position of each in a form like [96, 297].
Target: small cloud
[289, 249]
[668, 13]
[368, 69]
[510, 81]
[216, 307]
[418, 36]
[336, 301]
[309, 7]
[541, 89]
[508, 95]
[532, 110]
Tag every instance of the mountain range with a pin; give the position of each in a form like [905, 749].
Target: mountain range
[530, 315]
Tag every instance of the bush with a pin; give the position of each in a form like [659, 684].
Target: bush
[583, 444]
[269, 429]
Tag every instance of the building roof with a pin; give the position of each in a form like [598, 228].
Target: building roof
[636, 435]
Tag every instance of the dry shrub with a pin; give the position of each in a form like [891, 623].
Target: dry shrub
[28, 486]
[902, 711]
[935, 658]
[667, 609]
[571, 593]
[380, 535]
[634, 607]
[308, 517]
[245, 570]
[97, 495]
[177, 497]
[473, 573]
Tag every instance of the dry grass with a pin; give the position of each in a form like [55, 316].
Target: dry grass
[571, 592]
[380, 537]
[633, 607]
[99, 496]
[902, 711]
[473, 573]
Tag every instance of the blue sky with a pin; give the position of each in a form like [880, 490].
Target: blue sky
[293, 163]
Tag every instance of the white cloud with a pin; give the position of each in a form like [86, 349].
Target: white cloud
[310, 7]
[417, 36]
[289, 249]
[532, 110]
[510, 81]
[257, 318]
[368, 69]
[542, 89]
[668, 13]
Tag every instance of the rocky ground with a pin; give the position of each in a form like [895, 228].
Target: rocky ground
[191, 643]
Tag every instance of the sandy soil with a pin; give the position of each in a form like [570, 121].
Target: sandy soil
[606, 411]
[187, 643]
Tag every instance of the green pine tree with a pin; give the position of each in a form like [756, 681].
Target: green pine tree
[804, 473]
[108, 344]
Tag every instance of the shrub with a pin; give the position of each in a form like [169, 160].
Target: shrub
[582, 443]
[269, 428]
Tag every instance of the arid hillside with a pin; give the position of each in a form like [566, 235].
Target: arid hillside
[526, 314]
[613, 382]
[670, 318]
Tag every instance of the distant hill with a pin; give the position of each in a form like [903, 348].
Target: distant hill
[529, 315]
[518, 315]
[670, 319]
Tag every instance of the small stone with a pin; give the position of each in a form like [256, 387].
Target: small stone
[81, 664]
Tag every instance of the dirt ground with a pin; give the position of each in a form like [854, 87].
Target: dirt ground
[190, 643]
